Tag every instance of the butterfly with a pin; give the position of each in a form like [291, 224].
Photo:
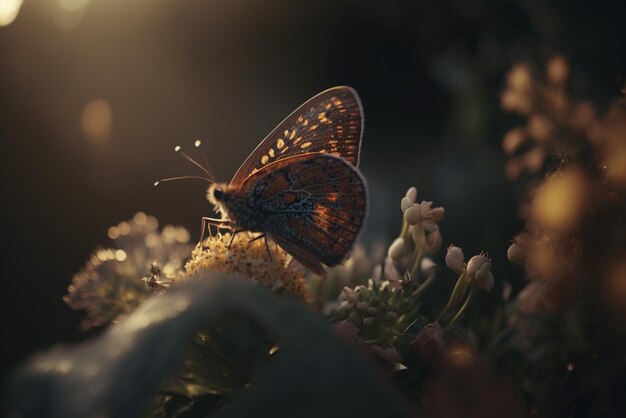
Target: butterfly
[301, 186]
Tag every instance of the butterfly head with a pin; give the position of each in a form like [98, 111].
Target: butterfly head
[219, 195]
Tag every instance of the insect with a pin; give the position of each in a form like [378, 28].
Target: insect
[301, 186]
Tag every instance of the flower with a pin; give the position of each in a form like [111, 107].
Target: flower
[515, 253]
[476, 263]
[484, 278]
[477, 268]
[424, 213]
[455, 259]
[113, 282]
[267, 265]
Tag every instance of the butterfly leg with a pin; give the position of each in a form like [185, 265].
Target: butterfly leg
[256, 238]
[266, 244]
[267, 247]
[233, 237]
[208, 222]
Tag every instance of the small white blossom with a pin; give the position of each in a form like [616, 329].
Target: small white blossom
[411, 194]
[455, 259]
[412, 215]
[485, 281]
[515, 253]
[362, 305]
[424, 213]
[405, 203]
[475, 263]
[349, 294]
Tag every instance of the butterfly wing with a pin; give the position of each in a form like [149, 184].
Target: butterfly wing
[312, 205]
[331, 123]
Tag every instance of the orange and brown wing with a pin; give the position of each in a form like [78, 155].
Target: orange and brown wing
[313, 205]
[330, 123]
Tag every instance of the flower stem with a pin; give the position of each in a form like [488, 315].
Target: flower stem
[420, 249]
[466, 305]
[457, 294]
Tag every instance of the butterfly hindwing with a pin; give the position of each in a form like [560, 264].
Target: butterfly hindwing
[330, 122]
[312, 205]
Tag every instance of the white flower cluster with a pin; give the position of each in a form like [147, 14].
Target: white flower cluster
[478, 268]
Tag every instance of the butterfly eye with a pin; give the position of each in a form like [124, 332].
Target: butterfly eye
[218, 193]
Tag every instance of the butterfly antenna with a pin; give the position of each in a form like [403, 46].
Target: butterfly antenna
[156, 183]
[191, 160]
[205, 160]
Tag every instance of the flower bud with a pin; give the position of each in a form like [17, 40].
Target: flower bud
[483, 270]
[362, 305]
[475, 263]
[485, 281]
[368, 321]
[412, 215]
[396, 249]
[349, 294]
[515, 254]
[372, 311]
[405, 203]
[428, 266]
[411, 194]
[483, 277]
[454, 259]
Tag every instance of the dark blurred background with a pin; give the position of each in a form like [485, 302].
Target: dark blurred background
[95, 94]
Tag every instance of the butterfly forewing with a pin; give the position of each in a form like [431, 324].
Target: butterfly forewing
[330, 123]
[313, 205]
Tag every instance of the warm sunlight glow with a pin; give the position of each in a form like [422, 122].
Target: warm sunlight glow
[9, 10]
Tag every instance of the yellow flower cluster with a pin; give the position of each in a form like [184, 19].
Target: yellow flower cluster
[250, 259]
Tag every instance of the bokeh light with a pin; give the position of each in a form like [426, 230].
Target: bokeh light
[561, 201]
[97, 120]
[9, 10]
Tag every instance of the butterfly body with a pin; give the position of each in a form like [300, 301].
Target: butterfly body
[301, 186]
